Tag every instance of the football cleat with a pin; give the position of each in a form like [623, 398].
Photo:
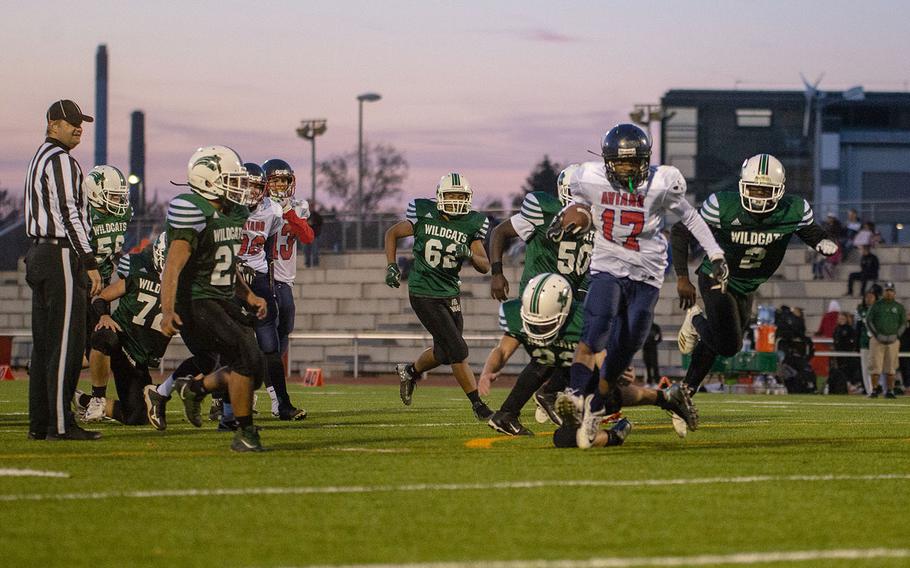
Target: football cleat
[247, 440]
[546, 408]
[508, 424]
[590, 424]
[569, 407]
[679, 425]
[216, 411]
[94, 411]
[481, 411]
[619, 432]
[688, 337]
[192, 403]
[679, 402]
[406, 387]
[155, 406]
[293, 414]
[228, 425]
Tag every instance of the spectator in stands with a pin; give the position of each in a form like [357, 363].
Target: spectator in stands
[868, 271]
[852, 228]
[829, 320]
[649, 354]
[788, 324]
[865, 235]
[845, 339]
[886, 321]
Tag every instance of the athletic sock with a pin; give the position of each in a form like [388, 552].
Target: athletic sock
[474, 397]
[167, 387]
[579, 375]
[99, 392]
[275, 368]
[245, 421]
[598, 402]
[228, 413]
[661, 399]
[198, 387]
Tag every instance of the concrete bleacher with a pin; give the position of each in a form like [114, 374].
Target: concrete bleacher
[347, 294]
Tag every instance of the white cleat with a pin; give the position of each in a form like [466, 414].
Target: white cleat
[570, 407]
[590, 424]
[94, 411]
[679, 425]
[688, 337]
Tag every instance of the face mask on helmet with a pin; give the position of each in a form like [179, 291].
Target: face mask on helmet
[216, 172]
[563, 190]
[159, 251]
[280, 182]
[453, 195]
[761, 184]
[545, 305]
[106, 188]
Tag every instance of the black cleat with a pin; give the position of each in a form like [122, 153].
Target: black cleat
[294, 414]
[192, 403]
[679, 402]
[37, 435]
[216, 411]
[247, 440]
[619, 432]
[155, 407]
[890, 394]
[75, 433]
[482, 412]
[508, 424]
[546, 407]
[408, 382]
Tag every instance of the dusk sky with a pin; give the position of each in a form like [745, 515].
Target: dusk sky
[484, 88]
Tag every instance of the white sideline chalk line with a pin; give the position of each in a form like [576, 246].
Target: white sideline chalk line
[10, 472]
[628, 562]
[773, 403]
[322, 490]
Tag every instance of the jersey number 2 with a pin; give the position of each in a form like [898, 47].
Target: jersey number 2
[634, 219]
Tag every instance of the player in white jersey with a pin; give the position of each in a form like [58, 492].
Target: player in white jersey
[629, 200]
[280, 183]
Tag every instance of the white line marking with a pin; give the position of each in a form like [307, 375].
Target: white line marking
[373, 450]
[400, 425]
[700, 560]
[31, 473]
[321, 490]
[773, 403]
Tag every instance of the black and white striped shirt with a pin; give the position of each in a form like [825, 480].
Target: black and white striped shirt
[55, 205]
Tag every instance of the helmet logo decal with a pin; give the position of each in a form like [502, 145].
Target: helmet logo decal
[98, 178]
[563, 298]
[212, 162]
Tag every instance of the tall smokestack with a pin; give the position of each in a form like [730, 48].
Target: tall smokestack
[137, 161]
[101, 105]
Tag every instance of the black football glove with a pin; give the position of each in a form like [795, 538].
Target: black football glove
[720, 272]
[392, 275]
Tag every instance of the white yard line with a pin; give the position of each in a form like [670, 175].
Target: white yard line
[8, 472]
[743, 558]
[783, 403]
[412, 488]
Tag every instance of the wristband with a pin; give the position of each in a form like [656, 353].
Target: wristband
[101, 306]
[496, 268]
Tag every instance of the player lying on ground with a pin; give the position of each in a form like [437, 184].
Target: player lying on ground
[446, 232]
[108, 197]
[628, 200]
[200, 283]
[130, 337]
[753, 228]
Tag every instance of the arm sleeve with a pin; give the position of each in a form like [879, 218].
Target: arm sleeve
[503, 323]
[675, 200]
[679, 245]
[481, 233]
[807, 230]
[184, 221]
[123, 266]
[411, 213]
[299, 227]
[65, 177]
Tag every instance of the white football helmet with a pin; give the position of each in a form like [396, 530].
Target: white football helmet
[159, 251]
[216, 172]
[761, 183]
[106, 188]
[545, 305]
[453, 194]
[562, 184]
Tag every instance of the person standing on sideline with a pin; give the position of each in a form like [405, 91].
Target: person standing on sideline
[60, 265]
[649, 354]
[885, 323]
[862, 336]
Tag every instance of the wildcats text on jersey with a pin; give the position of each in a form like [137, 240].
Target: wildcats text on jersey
[753, 238]
[149, 285]
[445, 233]
[622, 199]
[114, 227]
[227, 234]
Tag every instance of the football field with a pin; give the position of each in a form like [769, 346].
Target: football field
[766, 481]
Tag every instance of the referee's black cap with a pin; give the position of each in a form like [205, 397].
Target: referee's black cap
[69, 111]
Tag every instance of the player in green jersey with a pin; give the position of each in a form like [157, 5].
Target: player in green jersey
[131, 337]
[568, 257]
[446, 232]
[199, 287]
[548, 324]
[753, 227]
[109, 211]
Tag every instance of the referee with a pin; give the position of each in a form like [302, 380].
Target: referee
[59, 266]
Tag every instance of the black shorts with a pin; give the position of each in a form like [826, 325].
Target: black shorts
[219, 329]
[443, 319]
[130, 380]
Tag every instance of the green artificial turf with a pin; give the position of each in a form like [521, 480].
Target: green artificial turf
[428, 483]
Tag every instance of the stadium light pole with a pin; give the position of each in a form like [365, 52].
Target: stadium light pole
[370, 98]
[309, 130]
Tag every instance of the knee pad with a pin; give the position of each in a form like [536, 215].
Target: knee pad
[450, 354]
[105, 341]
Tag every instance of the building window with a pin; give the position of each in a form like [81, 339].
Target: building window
[681, 139]
[753, 117]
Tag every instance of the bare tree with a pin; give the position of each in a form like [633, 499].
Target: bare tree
[385, 169]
